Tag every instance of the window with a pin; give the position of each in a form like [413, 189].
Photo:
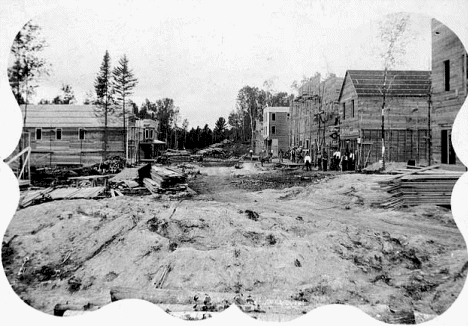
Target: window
[352, 108]
[466, 67]
[149, 133]
[38, 134]
[344, 111]
[81, 134]
[447, 151]
[447, 75]
[273, 117]
[273, 130]
[58, 134]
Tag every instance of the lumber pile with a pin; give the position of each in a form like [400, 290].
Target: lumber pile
[158, 179]
[166, 177]
[420, 186]
[178, 155]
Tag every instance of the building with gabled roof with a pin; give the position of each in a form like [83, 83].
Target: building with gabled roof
[74, 135]
[406, 113]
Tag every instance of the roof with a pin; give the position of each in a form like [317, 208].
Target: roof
[276, 109]
[400, 82]
[62, 116]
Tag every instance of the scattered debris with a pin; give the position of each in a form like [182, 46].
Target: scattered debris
[251, 215]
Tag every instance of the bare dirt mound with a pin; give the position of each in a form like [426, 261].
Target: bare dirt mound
[309, 246]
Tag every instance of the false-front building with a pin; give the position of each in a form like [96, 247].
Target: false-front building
[275, 129]
[449, 90]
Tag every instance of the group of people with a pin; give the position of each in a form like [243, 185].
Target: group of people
[338, 162]
[343, 162]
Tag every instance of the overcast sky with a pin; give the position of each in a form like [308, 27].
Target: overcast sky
[200, 54]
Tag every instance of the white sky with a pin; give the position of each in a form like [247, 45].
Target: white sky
[201, 53]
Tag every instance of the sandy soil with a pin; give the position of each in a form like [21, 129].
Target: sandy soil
[306, 238]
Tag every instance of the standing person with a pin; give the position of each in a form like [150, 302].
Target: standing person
[351, 162]
[319, 160]
[307, 162]
[271, 155]
[251, 154]
[325, 160]
[337, 159]
[262, 157]
[293, 155]
[345, 161]
[280, 156]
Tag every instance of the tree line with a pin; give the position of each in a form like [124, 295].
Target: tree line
[113, 87]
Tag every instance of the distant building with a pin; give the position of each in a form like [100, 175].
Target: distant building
[449, 90]
[143, 142]
[405, 118]
[275, 129]
[74, 135]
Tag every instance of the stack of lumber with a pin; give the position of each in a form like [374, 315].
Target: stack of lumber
[428, 185]
[166, 177]
[178, 155]
[158, 179]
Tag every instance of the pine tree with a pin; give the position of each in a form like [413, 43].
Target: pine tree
[123, 82]
[104, 92]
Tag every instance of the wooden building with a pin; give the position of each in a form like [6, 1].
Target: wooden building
[449, 90]
[275, 129]
[74, 135]
[313, 112]
[405, 116]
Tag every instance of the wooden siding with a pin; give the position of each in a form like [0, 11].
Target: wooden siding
[305, 122]
[406, 125]
[446, 104]
[72, 150]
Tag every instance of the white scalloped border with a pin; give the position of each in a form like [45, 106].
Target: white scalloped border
[14, 13]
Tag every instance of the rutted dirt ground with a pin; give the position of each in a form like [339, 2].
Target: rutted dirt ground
[308, 238]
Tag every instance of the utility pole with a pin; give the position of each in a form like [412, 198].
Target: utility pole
[429, 133]
[384, 93]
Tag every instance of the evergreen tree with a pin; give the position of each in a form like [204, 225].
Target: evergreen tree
[104, 92]
[123, 82]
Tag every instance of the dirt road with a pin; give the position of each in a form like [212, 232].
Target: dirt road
[314, 239]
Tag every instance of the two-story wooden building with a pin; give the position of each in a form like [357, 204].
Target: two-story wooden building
[313, 112]
[449, 90]
[275, 129]
[407, 103]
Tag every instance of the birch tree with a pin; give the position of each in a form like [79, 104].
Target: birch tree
[28, 66]
[393, 35]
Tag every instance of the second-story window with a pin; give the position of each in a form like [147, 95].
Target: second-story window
[273, 130]
[352, 108]
[81, 134]
[58, 134]
[344, 111]
[273, 117]
[447, 75]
